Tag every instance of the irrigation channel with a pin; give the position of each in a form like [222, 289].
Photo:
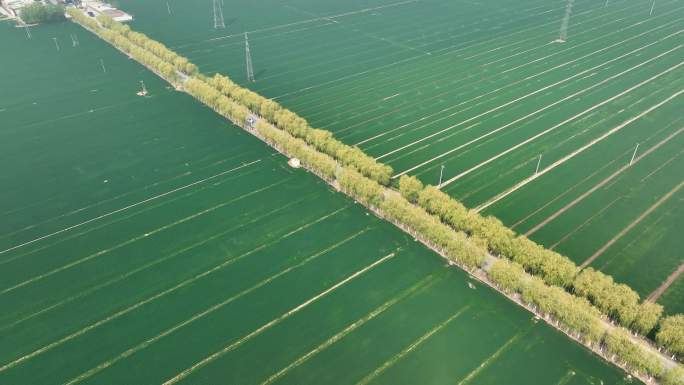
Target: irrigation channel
[479, 89]
[183, 235]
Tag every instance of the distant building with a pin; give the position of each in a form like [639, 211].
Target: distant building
[15, 6]
[100, 8]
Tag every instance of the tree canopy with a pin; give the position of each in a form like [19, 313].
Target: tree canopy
[42, 13]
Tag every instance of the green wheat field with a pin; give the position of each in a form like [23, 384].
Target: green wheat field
[143, 239]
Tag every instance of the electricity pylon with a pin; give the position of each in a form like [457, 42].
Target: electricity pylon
[218, 15]
[248, 59]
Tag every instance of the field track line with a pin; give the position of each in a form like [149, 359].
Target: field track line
[73, 115]
[516, 99]
[491, 358]
[665, 164]
[574, 153]
[538, 74]
[161, 294]
[160, 182]
[389, 363]
[421, 285]
[129, 207]
[120, 219]
[624, 231]
[665, 285]
[600, 184]
[157, 261]
[587, 221]
[135, 239]
[570, 119]
[264, 282]
[89, 206]
[180, 376]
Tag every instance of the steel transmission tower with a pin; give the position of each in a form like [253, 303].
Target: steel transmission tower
[218, 15]
[248, 59]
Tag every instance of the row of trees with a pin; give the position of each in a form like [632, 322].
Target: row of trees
[298, 127]
[617, 301]
[154, 47]
[211, 97]
[319, 163]
[138, 45]
[578, 317]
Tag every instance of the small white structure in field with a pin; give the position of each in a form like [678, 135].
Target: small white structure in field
[294, 163]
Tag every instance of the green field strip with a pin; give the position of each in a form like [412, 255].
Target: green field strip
[548, 371]
[561, 147]
[452, 123]
[399, 29]
[202, 241]
[398, 82]
[191, 206]
[185, 176]
[436, 56]
[85, 222]
[653, 242]
[572, 109]
[472, 117]
[528, 210]
[46, 186]
[671, 299]
[457, 47]
[198, 277]
[330, 289]
[635, 199]
[343, 313]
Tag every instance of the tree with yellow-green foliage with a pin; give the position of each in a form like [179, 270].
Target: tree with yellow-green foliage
[673, 376]
[619, 342]
[671, 334]
[410, 187]
[507, 275]
[617, 301]
[363, 189]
